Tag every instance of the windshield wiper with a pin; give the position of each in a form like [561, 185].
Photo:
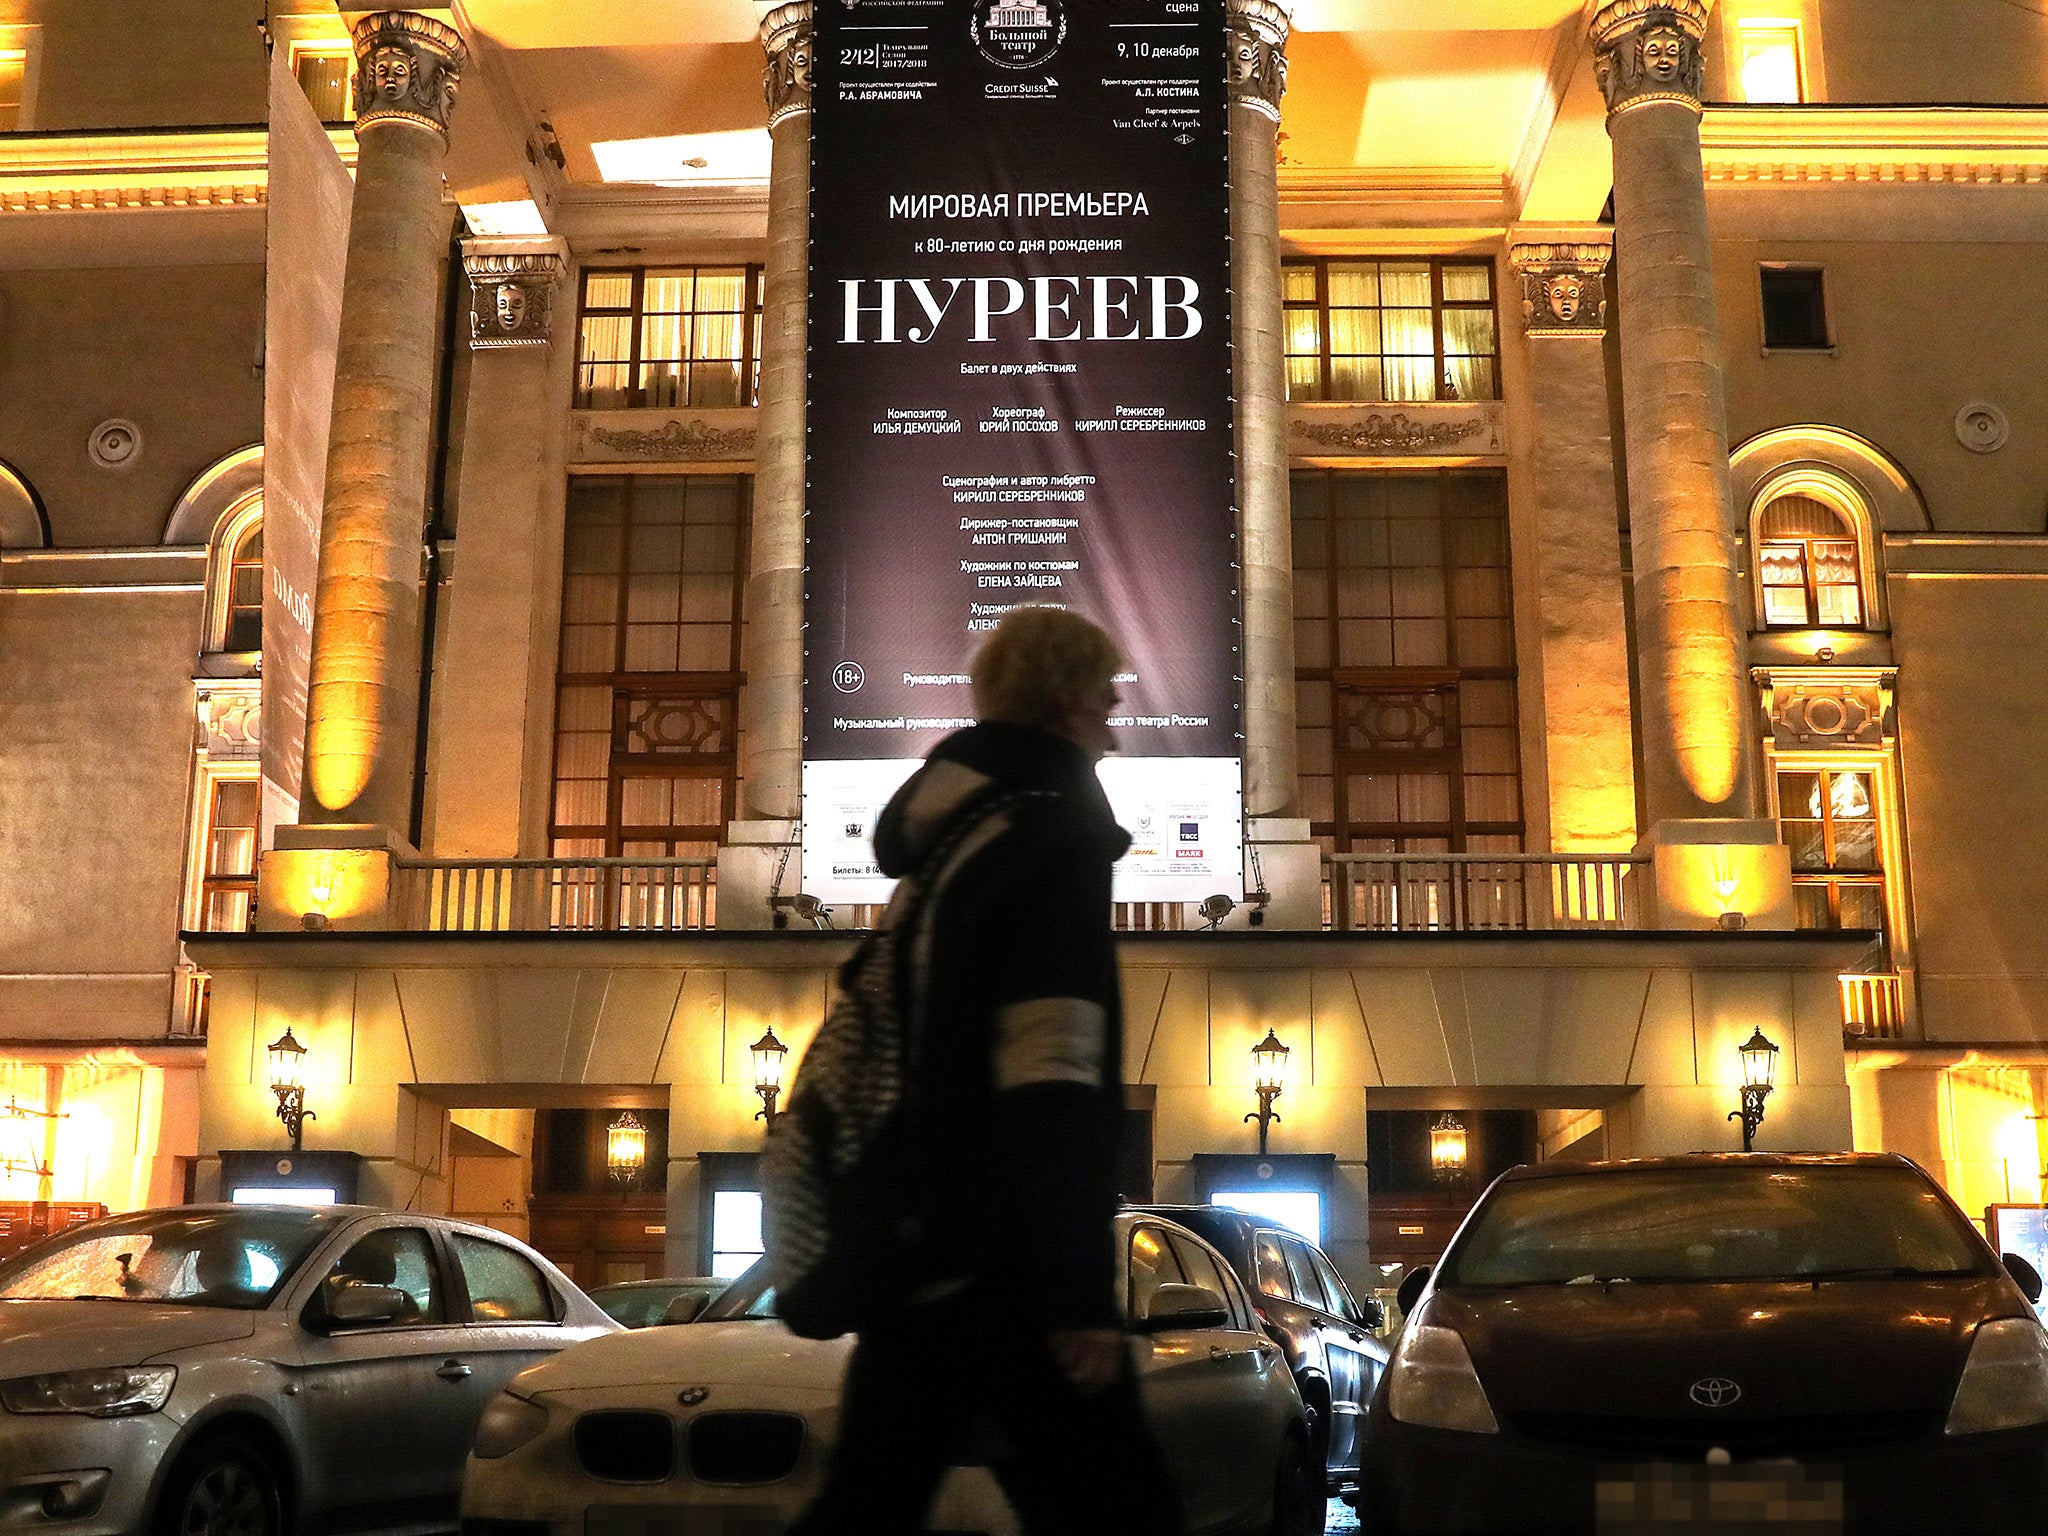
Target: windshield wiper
[96, 1296]
[1878, 1272]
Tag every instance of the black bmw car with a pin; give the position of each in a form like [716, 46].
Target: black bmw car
[1739, 1342]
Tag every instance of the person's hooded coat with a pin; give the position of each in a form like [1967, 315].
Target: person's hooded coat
[1015, 1006]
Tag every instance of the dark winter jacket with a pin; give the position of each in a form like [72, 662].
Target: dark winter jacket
[1015, 1006]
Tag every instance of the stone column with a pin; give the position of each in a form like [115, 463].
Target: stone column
[1589, 729]
[509, 494]
[1696, 751]
[366, 641]
[1258, 77]
[771, 712]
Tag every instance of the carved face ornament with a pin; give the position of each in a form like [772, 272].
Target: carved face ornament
[391, 71]
[512, 306]
[1664, 55]
[1567, 296]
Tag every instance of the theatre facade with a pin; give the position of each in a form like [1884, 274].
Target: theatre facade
[1570, 480]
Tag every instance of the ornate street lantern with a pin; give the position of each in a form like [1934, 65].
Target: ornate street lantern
[288, 1082]
[769, 1055]
[625, 1149]
[1447, 1148]
[1759, 1074]
[1269, 1080]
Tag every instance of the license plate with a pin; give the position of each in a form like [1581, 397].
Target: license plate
[1778, 1497]
[683, 1520]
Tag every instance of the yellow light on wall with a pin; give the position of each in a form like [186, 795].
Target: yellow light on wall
[1448, 1148]
[22, 1133]
[625, 1148]
[1769, 62]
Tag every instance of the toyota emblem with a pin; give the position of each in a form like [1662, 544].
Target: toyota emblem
[690, 1397]
[1715, 1392]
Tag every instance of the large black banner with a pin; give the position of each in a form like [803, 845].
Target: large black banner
[1020, 393]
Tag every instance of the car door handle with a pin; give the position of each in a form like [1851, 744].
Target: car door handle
[454, 1370]
[1218, 1352]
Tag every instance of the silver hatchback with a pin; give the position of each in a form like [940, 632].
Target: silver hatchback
[245, 1370]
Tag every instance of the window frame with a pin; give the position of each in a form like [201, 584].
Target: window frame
[453, 1237]
[635, 316]
[1320, 305]
[1833, 878]
[25, 42]
[1827, 347]
[1746, 27]
[313, 1314]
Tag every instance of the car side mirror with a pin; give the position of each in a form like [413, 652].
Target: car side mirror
[2024, 1275]
[1183, 1306]
[361, 1306]
[1371, 1314]
[685, 1308]
[1411, 1289]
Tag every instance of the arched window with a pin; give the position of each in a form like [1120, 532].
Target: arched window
[1808, 566]
[234, 583]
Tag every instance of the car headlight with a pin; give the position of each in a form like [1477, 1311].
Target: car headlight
[2005, 1381]
[103, 1394]
[1432, 1384]
[508, 1424]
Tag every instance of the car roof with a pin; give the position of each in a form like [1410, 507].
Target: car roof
[1198, 1217]
[1707, 1161]
[662, 1283]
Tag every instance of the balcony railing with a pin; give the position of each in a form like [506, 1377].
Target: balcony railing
[1483, 892]
[1874, 1007]
[555, 895]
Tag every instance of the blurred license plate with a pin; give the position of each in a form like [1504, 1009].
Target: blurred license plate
[682, 1520]
[1779, 1498]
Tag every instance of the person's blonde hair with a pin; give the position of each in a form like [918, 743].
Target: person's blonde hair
[1039, 663]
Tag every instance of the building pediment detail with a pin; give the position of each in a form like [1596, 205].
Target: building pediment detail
[665, 437]
[1422, 429]
[1818, 708]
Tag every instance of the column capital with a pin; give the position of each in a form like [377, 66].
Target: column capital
[787, 35]
[511, 291]
[1562, 291]
[407, 69]
[1258, 54]
[1649, 50]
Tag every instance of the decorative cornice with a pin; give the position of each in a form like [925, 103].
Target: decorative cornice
[407, 69]
[1562, 291]
[511, 296]
[725, 436]
[1648, 51]
[101, 172]
[1438, 429]
[787, 37]
[1967, 146]
[1257, 59]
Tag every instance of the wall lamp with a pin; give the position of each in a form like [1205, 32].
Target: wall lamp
[1448, 1149]
[1759, 1069]
[1269, 1078]
[769, 1054]
[19, 1152]
[288, 1082]
[625, 1149]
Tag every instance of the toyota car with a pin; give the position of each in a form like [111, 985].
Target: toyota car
[1740, 1341]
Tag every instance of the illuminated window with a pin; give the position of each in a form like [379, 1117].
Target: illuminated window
[735, 1232]
[1809, 566]
[1795, 308]
[669, 336]
[1405, 661]
[1360, 329]
[1768, 59]
[13, 77]
[244, 631]
[1829, 821]
[645, 738]
[227, 883]
[326, 73]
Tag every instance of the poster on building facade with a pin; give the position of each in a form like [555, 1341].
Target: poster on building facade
[305, 256]
[1020, 394]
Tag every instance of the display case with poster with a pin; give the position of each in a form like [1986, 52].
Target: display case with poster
[2020, 1229]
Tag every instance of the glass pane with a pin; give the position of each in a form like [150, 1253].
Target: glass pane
[1768, 56]
[1356, 378]
[666, 293]
[1354, 331]
[1469, 378]
[1304, 332]
[1305, 378]
[1152, 1265]
[1405, 283]
[1356, 284]
[721, 288]
[1410, 378]
[1298, 282]
[1862, 906]
[401, 1258]
[1841, 607]
[1272, 1268]
[1463, 283]
[607, 290]
[1468, 331]
[504, 1287]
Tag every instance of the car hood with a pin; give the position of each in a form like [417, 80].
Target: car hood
[1839, 1347]
[742, 1352]
[42, 1336]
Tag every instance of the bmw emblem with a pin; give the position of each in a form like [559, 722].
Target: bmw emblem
[690, 1397]
[1715, 1392]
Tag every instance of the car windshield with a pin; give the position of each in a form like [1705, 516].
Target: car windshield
[642, 1306]
[749, 1296]
[1773, 1222]
[193, 1258]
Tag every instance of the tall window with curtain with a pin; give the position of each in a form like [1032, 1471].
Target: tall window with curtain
[1361, 328]
[1405, 654]
[1829, 817]
[647, 709]
[668, 337]
[1808, 566]
[227, 882]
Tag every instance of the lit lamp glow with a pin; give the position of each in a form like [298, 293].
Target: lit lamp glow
[288, 1082]
[625, 1149]
[769, 1054]
[1759, 1072]
[1269, 1080]
[1447, 1148]
[322, 892]
[19, 1149]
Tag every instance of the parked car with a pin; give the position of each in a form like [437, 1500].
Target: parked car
[1826, 1333]
[223, 1370]
[1330, 1338]
[731, 1420]
[656, 1303]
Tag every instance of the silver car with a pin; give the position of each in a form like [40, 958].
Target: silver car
[243, 1370]
[725, 1426]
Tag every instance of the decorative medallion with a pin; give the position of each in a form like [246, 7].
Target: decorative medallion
[1649, 50]
[511, 297]
[115, 444]
[1257, 51]
[407, 69]
[1982, 427]
[1018, 34]
[787, 37]
[1563, 292]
